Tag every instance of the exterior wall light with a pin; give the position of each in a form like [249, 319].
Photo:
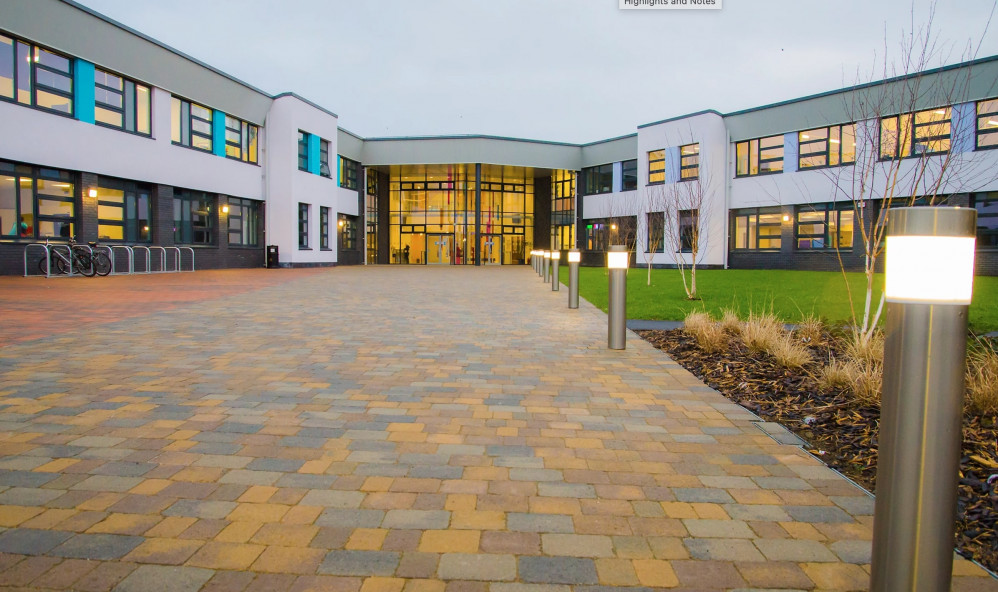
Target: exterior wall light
[616, 260]
[929, 279]
[92, 193]
[555, 265]
[225, 209]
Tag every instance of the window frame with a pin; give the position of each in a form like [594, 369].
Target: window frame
[834, 136]
[347, 231]
[129, 94]
[133, 192]
[754, 227]
[32, 56]
[303, 216]
[755, 154]
[324, 168]
[659, 167]
[244, 130]
[303, 150]
[349, 172]
[689, 162]
[185, 199]
[659, 227]
[594, 176]
[988, 116]
[690, 237]
[247, 211]
[912, 127]
[186, 124]
[828, 209]
[629, 172]
[989, 234]
[36, 199]
[324, 228]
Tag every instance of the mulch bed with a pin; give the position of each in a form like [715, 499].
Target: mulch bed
[840, 431]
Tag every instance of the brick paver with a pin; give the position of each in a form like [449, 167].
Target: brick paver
[387, 430]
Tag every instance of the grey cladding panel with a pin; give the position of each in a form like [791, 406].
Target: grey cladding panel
[471, 149]
[616, 150]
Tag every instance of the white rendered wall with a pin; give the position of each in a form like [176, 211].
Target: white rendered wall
[287, 186]
[42, 138]
[708, 130]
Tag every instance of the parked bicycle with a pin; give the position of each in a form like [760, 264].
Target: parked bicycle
[85, 261]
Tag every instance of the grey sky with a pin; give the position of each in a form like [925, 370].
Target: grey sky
[560, 70]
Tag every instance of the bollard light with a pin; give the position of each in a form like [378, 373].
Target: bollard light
[555, 264]
[929, 271]
[533, 259]
[547, 266]
[574, 257]
[616, 261]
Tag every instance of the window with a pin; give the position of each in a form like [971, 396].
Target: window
[324, 169]
[121, 103]
[827, 146]
[629, 170]
[757, 229]
[563, 209]
[302, 151]
[915, 134]
[36, 77]
[303, 226]
[123, 212]
[688, 230]
[610, 231]
[349, 171]
[36, 202]
[598, 179]
[192, 217]
[987, 124]
[372, 182]
[348, 232]
[689, 162]
[763, 156]
[656, 167]
[656, 232]
[986, 205]
[324, 228]
[240, 139]
[824, 226]
[191, 124]
[244, 222]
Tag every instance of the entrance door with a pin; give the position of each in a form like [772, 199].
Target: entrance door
[440, 249]
[514, 253]
[491, 249]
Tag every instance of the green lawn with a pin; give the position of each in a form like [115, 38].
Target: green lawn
[789, 294]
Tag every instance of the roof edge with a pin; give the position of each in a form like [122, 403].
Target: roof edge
[471, 137]
[678, 117]
[306, 101]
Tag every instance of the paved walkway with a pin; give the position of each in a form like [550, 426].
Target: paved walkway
[389, 430]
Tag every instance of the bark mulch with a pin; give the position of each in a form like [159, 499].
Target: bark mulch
[841, 431]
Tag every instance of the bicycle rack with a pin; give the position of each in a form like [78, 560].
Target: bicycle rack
[148, 260]
[48, 259]
[192, 256]
[161, 251]
[176, 258]
[130, 258]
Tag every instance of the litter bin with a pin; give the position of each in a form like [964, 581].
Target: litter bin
[273, 257]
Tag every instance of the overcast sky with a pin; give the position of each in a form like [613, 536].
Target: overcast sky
[560, 70]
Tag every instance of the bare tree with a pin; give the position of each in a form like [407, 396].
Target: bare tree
[903, 149]
[688, 206]
[655, 203]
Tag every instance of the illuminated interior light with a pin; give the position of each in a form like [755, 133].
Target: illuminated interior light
[834, 141]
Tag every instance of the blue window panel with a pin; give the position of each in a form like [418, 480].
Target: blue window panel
[963, 126]
[618, 177]
[672, 162]
[83, 86]
[218, 133]
[791, 146]
[313, 154]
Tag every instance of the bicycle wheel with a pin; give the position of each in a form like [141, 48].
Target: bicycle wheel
[102, 263]
[83, 263]
[44, 269]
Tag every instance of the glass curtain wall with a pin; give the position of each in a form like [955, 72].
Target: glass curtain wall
[432, 214]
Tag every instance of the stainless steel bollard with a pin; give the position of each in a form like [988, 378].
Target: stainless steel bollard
[574, 257]
[547, 266]
[555, 265]
[929, 278]
[617, 259]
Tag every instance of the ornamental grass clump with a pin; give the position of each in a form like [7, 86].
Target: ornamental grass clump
[982, 379]
[730, 322]
[809, 329]
[788, 352]
[761, 332]
[708, 334]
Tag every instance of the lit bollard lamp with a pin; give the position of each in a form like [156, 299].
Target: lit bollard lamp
[574, 257]
[929, 279]
[616, 262]
[555, 265]
[547, 266]
[533, 260]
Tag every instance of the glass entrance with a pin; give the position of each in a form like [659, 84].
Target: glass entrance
[491, 249]
[439, 249]
[515, 247]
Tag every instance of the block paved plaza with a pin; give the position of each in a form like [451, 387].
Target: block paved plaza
[381, 429]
